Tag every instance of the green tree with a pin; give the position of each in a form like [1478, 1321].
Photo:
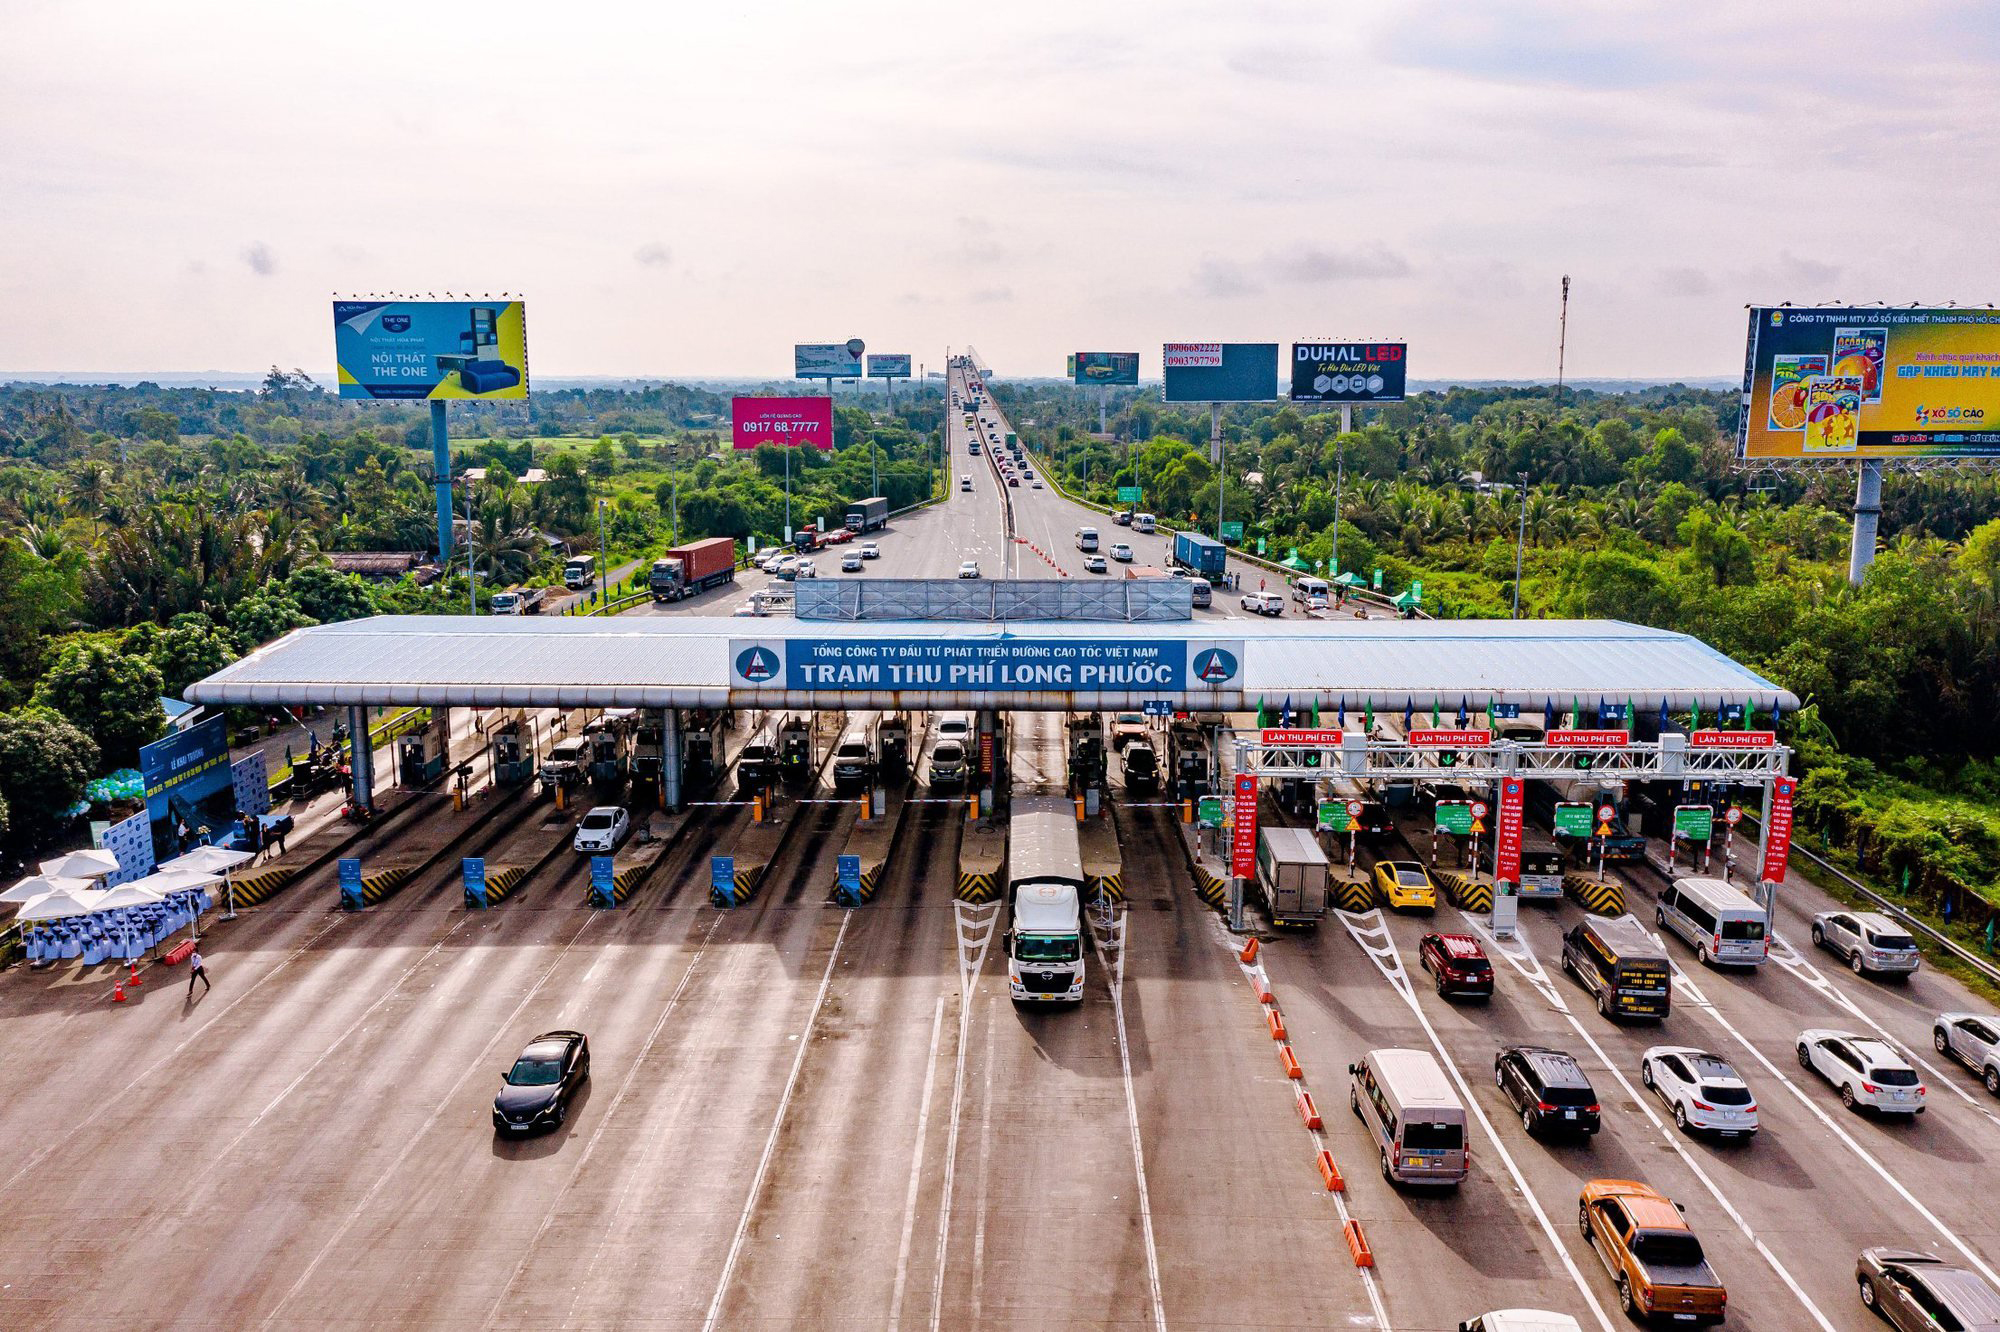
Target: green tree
[190, 648]
[112, 696]
[329, 596]
[44, 762]
[265, 614]
[603, 459]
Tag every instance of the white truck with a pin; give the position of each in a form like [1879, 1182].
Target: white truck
[1291, 874]
[1045, 893]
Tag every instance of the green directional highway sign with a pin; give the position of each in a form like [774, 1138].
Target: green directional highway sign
[1129, 494]
[1694, 822]
[1454, 817]
[1232, 531]
[1333, 816]
[1573, 820]
[1209, 811]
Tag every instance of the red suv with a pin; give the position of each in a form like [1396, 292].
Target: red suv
[1458, 964]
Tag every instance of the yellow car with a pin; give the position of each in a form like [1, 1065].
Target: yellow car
[1405, 885]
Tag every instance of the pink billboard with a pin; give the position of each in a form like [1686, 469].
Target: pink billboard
[788, 422]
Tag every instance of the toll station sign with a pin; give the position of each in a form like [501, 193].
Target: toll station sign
[1778, 849]
[1507, 833]
[990, 665]
[1243, 834]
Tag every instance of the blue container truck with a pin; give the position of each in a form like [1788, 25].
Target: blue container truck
[1203, 555]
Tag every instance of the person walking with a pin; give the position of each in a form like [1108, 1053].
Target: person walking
[198, 972]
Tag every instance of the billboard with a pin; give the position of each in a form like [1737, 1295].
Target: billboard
[1348, 371]
[1219, 372]
[984, 665]
[1840, 382]
[827, 360]
[188, 781]
[431, 349]
[889, 365]
[1104, 367]
[792, 422]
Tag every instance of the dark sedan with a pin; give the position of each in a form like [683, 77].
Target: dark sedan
[539, 1087]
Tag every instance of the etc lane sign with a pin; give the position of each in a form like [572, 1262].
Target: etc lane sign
[1064, 665]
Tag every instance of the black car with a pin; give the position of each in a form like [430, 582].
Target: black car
[1548, 1088]
[538, 1089]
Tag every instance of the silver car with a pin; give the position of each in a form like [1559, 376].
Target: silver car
[1705, 1094]
[1919, 1292]
[1868, 1073]
[1973, 1039]
[1866, 941]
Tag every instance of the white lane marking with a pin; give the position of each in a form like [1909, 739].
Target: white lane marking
[445, 1102]
[777, 1128]
[916, 1167]
[1254, 972]
[1117, 982]
[1523, 960]
[117, 1098]
[968, 982]
[1390, 963]
[590, 1146]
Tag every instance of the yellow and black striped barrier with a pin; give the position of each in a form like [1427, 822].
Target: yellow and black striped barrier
[977, 887]
[250, 889]
[490, 886]
[1107, 887]
[742, 887]
[1354, 894]
[1466, 892]
[623, 881]
[1211, 888]
[1601, 899]
[366, 890]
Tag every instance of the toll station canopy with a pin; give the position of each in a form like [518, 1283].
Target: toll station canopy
[1209, 665]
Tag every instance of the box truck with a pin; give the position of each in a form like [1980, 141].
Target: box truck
[868, 515]
[1045, 894]
[1291, 874]
[1199, 554]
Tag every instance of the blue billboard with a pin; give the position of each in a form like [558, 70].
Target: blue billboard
[189, 786]
[1219, 372]
[1070, 665]
[431, 349]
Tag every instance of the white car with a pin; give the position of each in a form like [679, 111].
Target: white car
[807, 569]
[1702, 1090]
[1869, 1073]
[1973, 1039]
[870, 551]
[1868, 940]
[851, 562]
[750, 607]
[1094, 564]
[1262, 603]
[1121, 552]
[602, 830]
[969, 569]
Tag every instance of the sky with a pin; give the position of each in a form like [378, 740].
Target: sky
[687, 190]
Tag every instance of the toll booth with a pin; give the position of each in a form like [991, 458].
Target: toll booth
[1086, 752]
[647, 742]
[608, 739]
[892, 745]
[510, 742]
[701, 747]
[1188, 757]
[795, 749]
[420, 755]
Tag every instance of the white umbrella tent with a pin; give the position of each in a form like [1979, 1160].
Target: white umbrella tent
[91, 864]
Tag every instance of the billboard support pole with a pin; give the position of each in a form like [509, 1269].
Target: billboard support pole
[1346, 418]
[788, 479]
[441, 473]
[1867, 515]
[1103, 398]
[1215, 452]
[1339, 483]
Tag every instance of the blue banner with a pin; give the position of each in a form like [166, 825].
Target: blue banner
[1079, 665]
[722, 873]
[847, 869]
[189, 786]
[350, 883]
[474, 869]
[603, 890]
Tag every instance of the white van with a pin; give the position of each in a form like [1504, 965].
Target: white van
[1719, 921]
[1144, 522]
[1086, 539]
[1409, 1108]
[1312, 592]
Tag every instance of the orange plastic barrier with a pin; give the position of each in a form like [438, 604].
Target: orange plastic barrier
[1276, 1022]
[1357, 1244]
[1307, 1110]
[1330, 1172]
[1290, 1062]
[1264, 991]
[1249, 953]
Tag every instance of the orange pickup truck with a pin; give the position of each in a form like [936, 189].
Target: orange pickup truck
[1644, 1242]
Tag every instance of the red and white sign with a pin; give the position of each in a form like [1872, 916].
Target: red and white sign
[1733, 817]
[1507, 832]
[1354, 809]
[1732, 739]
[1606, 739]
[1192, 355]
[1778, 850]
[1243, 835]
[791, 422]
[1301, 737]
[1441, 739]
[1604, 813]
[1479, 809]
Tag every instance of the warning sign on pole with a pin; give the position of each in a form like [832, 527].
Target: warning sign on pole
[1778, 851]
[1507, 833]
[1243, 837]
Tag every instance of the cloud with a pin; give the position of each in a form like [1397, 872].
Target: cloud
[1312, 264]
[990, 295]
[1219, 279]
[262, 262]
[1792, 269]
[1682, 281]
[654, 254]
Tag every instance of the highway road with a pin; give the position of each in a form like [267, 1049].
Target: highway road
[808, 1116]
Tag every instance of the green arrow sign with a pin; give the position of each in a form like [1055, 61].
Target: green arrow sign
[1333, 816]
[1209, 811]
[1232, 531]
[1694, 822]
[1455, 817]
[1129, 494]
[1573, 820]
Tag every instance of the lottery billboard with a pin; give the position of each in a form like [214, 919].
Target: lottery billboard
[889, 365]
[1104, 367]
[791, 422]
[1348, 371]
[1871, 382]
[1219, 372]
[431, 349]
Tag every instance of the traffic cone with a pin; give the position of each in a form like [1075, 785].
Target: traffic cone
[135, 973]
[118, 991]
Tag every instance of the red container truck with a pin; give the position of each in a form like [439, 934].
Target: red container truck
[695, 567]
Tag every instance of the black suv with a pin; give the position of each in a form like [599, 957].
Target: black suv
[1548, 1088]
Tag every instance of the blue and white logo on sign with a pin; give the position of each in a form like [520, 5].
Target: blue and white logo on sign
[757, 665]
[1215, 666]
[396, 323]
